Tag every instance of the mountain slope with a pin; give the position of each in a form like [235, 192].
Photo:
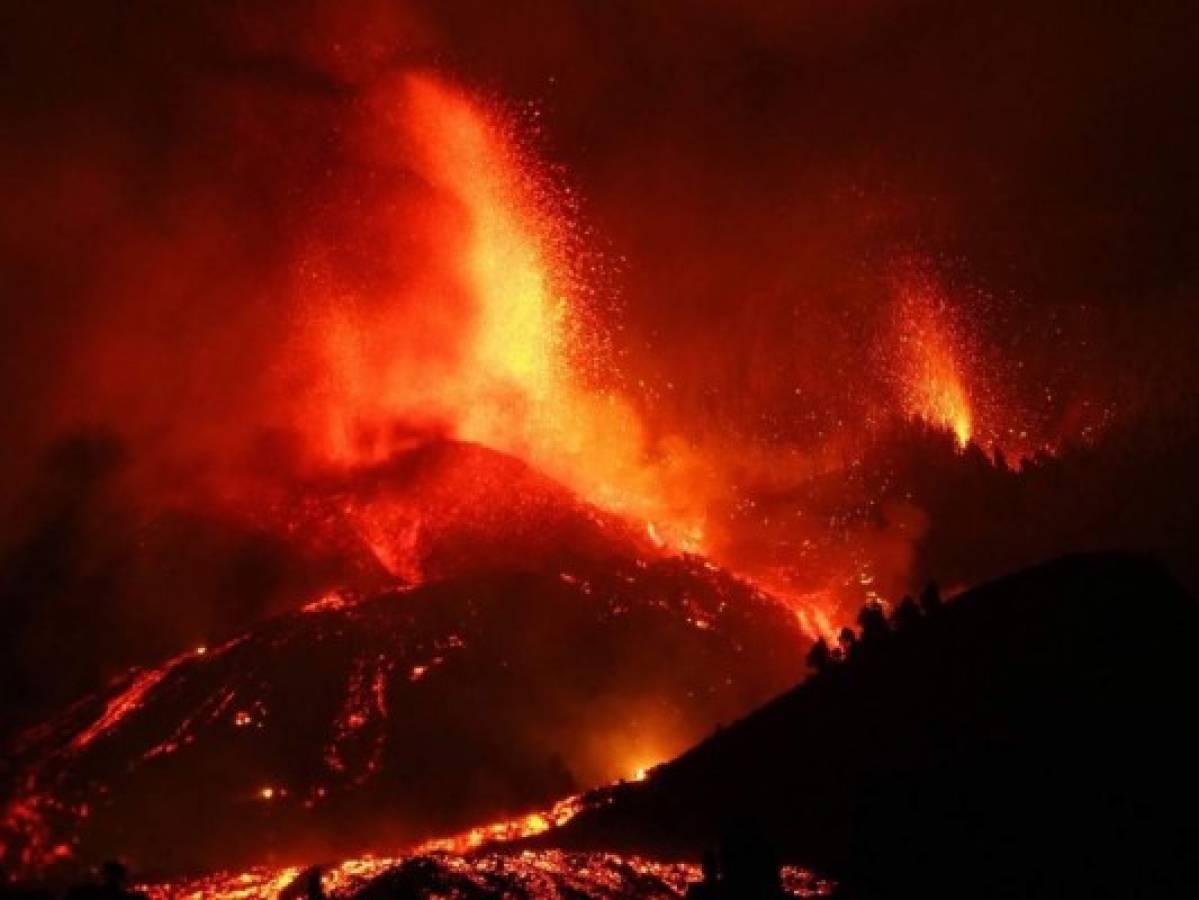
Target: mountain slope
[1032, 738]
[102, 568]
[371, 724]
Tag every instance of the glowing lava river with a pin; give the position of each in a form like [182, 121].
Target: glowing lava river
[475, 864]
[532, 874]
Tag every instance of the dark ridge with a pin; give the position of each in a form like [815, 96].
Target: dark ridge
[1032, 738]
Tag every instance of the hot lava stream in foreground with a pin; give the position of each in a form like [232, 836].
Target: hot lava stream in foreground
[474, 864]
[549, 874]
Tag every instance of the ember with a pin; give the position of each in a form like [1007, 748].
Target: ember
[933, 382]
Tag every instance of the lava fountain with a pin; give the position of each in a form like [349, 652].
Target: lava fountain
[932, 380]
[526, 373]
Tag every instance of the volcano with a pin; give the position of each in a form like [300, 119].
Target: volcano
[565, 653]
[424, 419]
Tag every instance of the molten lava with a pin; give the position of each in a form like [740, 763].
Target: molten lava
[932, 359]
[320, 732]
[538, 875]
[477, 859]
[440, 405]
[509, 359]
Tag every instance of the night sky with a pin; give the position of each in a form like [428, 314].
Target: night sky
[746, 182]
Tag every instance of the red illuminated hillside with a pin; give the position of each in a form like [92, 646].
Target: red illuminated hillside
[371, 724]
[443, 508]
[100, 554]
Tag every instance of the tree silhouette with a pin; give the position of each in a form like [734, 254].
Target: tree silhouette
[820, 657]
[907, 614]
[873, 622]
[847, 640]
[930, 598]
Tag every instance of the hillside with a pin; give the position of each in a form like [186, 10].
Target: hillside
[1031, 738]
[372, 723]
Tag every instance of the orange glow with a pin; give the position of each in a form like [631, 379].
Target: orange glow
[467, 853]
[528, 825]
[328, 601]
[128, 701]
[492, 346]
[538, 872]
[933, 383]
[427, 287]
[446, 298]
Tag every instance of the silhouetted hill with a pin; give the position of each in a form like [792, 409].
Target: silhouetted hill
[369, 724]
[1033, 738]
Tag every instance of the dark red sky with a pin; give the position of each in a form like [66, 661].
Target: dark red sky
[749, 171]
[751, 176]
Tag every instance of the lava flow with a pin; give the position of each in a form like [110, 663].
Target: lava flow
[543, 875]
[389, 719]
[477, 860]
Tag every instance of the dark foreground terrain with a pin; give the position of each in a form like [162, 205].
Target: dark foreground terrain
[1033, 738]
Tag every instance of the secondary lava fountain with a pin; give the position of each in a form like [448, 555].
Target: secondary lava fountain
[932, 358]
